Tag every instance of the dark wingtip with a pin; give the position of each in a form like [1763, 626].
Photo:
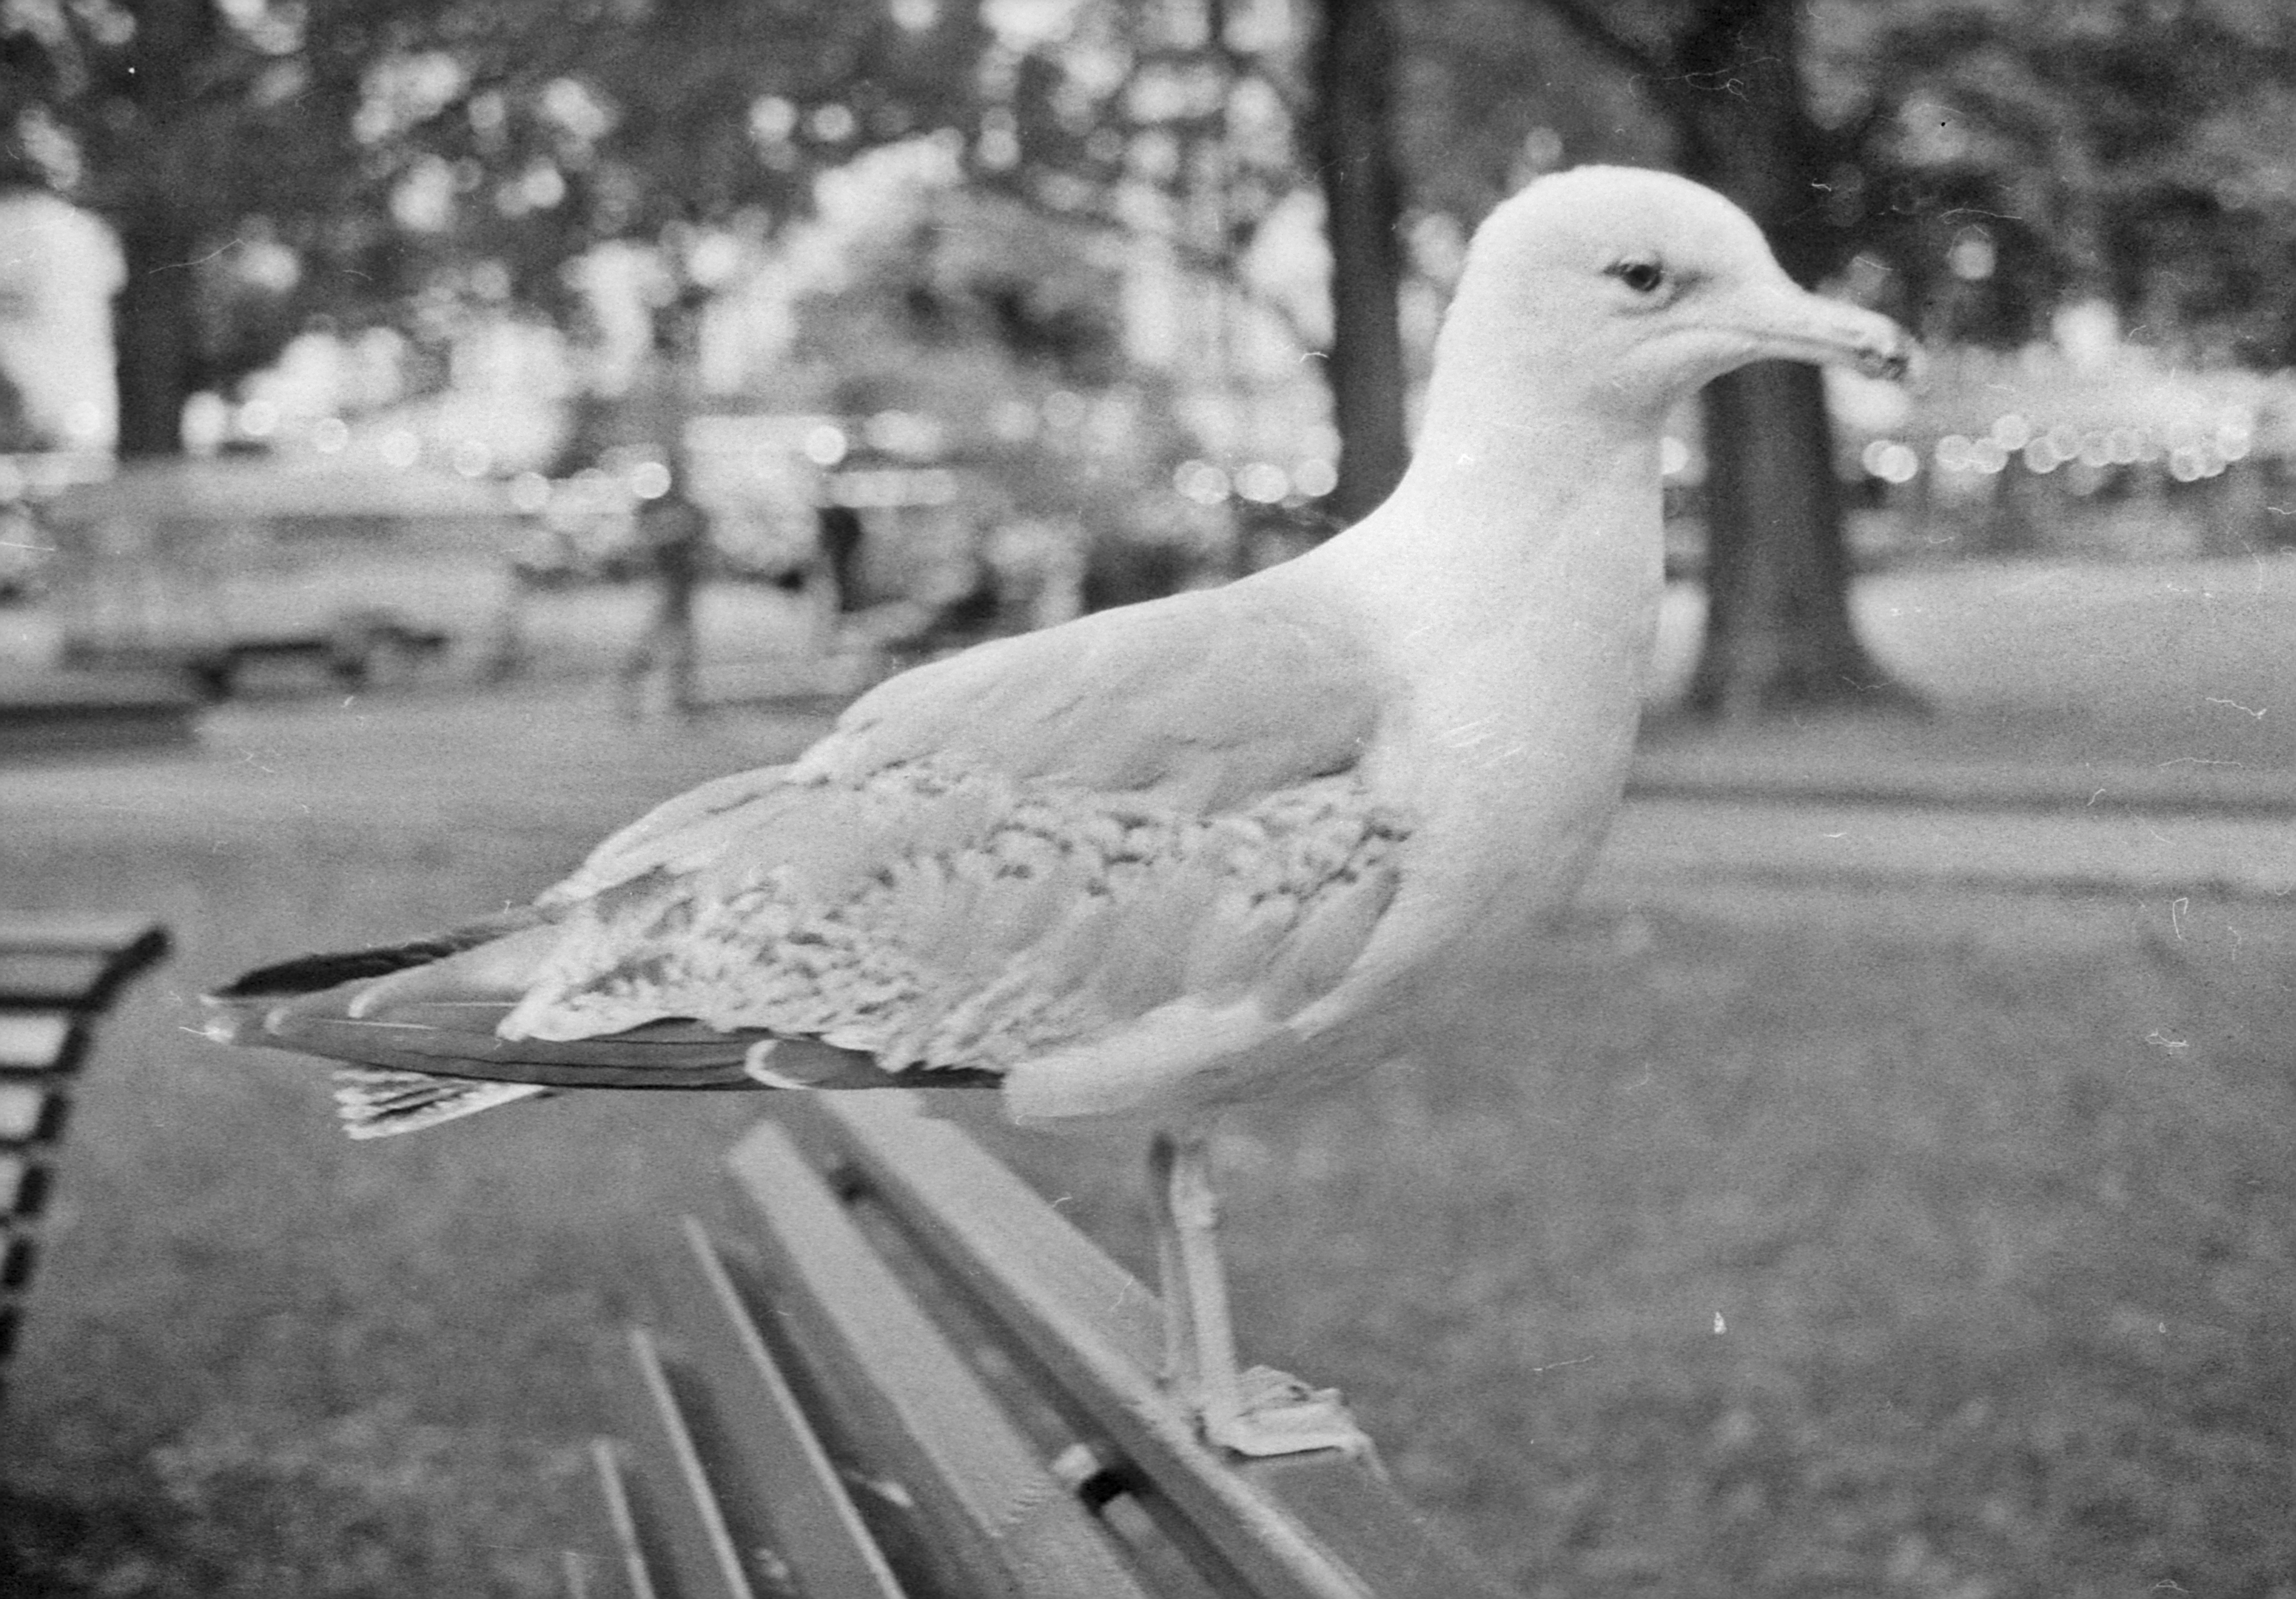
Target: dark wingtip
[310, 973]
[1898, 359]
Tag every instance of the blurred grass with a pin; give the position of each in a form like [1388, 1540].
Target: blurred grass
[1779, 1258]
[2190, 661]
[1764, 1242]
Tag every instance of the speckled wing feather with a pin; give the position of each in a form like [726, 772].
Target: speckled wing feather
[1011, 853]
[935, 915]
[1201, 702]
[1019, 851]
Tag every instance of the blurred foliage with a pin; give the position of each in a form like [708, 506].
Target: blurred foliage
[356, 160]
[531, 132]
[1991, 160]
[196, 130]
[949, 275]
[274, 167]
[2139, 154]
[977, 309]
[390, 160]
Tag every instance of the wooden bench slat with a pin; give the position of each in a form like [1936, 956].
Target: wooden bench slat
[997, 1513]
[622, 1520]
[56, 979]
[50, 977]
[79, 964]
[780, 1464]
[1298, 1526]
[700, 1546]
[33, 1040]
[16, 1255]
[23, 1109]
[113, 936]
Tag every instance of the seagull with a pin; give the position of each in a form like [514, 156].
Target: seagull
[1171, 858]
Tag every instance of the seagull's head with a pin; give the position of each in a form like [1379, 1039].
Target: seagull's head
[1618, 285]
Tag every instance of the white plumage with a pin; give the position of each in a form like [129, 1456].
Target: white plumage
[1174, 855]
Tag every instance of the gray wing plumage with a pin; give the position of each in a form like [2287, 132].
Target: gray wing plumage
[1017, 850]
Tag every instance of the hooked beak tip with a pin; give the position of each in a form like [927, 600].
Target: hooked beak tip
[1898, 358]
[1789, 323]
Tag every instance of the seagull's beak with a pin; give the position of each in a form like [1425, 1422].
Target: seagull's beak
[1785, 322]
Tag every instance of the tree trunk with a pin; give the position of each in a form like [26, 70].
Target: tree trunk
[1778, 633]
[155, 322]
[156, 317]
[16, 433]
[1362, 205]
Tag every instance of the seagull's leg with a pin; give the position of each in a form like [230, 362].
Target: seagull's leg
[1199, 1334]
[1258, 1412]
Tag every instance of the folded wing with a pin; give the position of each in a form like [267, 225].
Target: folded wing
[1023, 851]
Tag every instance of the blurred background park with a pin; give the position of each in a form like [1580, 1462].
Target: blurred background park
[1883, 1187]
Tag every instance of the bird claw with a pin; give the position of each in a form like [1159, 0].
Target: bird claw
[1277, 1414]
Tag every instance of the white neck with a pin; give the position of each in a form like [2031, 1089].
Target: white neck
[1515, 575]
[1535, 533]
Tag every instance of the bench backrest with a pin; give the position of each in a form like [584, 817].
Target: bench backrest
[56, 979]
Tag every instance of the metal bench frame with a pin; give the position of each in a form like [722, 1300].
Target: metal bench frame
[57, 979]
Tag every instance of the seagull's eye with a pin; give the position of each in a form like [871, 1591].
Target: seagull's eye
[1643, 277]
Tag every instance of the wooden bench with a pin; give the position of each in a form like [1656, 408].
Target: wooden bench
[56, 980]
[902, 1372]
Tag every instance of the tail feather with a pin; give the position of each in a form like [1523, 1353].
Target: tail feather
[308, 973]
[376, 1103]
[418, 1023]
[631, 1060]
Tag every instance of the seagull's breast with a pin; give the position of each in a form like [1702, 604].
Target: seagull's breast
[1509, 742]
[1510, 808]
